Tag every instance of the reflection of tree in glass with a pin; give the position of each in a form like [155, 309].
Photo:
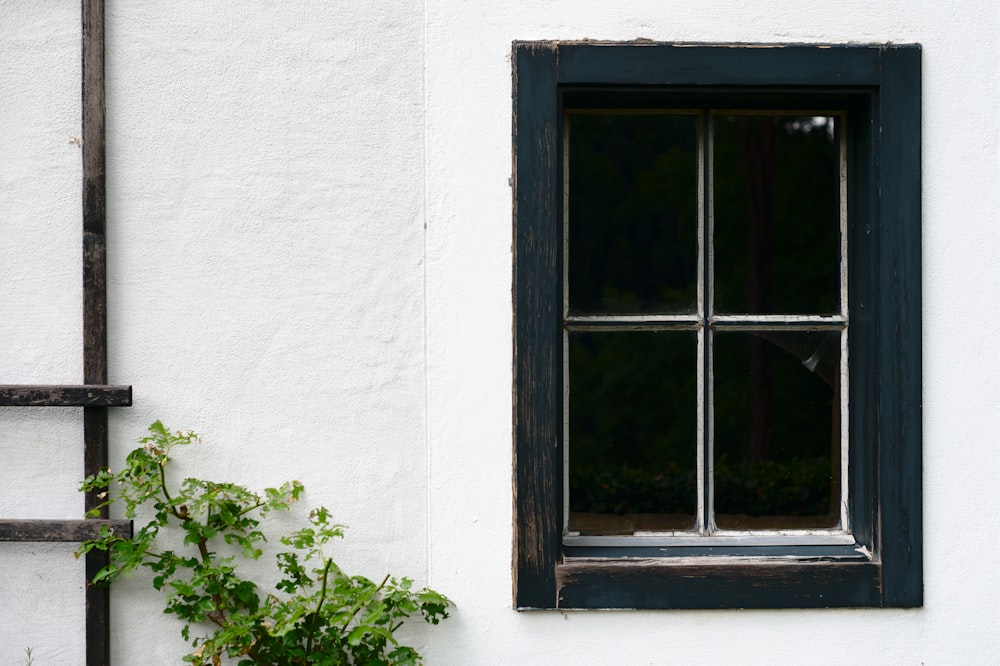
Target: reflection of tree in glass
[776, 226]
[802, 458]
[776, 243]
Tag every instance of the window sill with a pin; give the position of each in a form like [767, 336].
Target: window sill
[718, 582]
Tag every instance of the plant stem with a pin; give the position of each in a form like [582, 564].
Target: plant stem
[361, 605]
[218, 616]
[251, 508]
[166, 493]
[319, 605]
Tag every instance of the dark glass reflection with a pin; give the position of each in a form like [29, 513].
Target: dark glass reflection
[776, 197]
[632, 431]
[633, 213]
[776, 429]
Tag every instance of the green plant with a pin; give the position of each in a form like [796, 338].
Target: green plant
[317, 615]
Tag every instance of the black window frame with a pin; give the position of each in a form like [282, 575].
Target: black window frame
[879, 85]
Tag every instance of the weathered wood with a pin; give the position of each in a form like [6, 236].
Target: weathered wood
[97, 611]
[94, 197]
[44, 395]
[98, 597]
[654, 584]
[95, 353]
[899, 345]
[60, 530]
[537, 328]
[880, 86]
[862, 298]
[717, 65]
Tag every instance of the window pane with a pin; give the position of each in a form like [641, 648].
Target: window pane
[633, 213]
[776, 409]
[776, 214]
[632, 431]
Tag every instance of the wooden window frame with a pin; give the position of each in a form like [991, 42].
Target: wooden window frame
[883, 567]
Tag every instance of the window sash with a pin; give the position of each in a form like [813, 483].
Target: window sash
[705, 322]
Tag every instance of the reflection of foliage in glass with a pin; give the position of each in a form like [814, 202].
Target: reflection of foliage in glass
[798, 487]
[622, 490]
[633, 405]
[633, 213]
[795, 487]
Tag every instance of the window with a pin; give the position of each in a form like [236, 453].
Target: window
[717, 326]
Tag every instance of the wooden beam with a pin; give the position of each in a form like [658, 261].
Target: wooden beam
[95, 326]
[95, 357]
[52, 395]
[60, 530]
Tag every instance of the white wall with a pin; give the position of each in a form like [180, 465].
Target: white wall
[40, 319]
[309, 263]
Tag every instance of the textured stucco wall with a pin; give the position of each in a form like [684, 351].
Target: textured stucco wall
[40, 318]
[309, 263]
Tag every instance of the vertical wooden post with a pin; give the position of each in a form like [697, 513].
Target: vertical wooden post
[95, 356]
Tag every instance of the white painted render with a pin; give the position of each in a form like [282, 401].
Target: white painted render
[309, 262]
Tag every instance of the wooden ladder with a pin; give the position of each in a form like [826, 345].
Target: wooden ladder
[94, 394]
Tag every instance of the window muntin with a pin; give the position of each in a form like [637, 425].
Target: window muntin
[705, 337]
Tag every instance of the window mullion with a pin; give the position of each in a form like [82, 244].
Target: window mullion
[705, 305]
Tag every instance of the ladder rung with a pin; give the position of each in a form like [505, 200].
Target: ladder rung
[60, 530]
[54, 395]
